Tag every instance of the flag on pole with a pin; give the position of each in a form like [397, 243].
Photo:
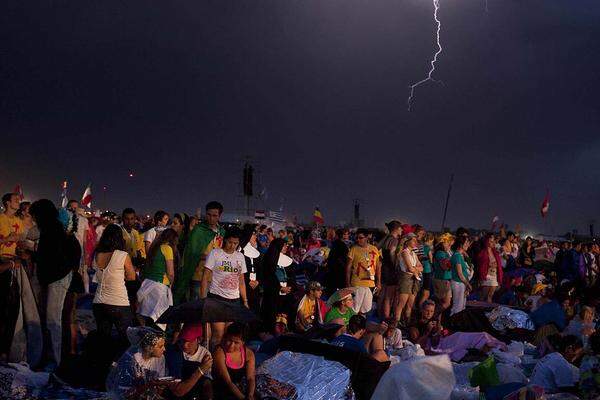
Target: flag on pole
[18, 190]
[318, 217]
[86, 199]
[63, 195]
[495, 220]
[545, 204]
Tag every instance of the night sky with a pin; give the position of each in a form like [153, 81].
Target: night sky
[179, 92]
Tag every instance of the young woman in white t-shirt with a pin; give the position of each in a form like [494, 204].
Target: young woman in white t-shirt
[223, 278]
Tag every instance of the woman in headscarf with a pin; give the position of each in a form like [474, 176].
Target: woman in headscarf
[275, 284]
[248, 246]
[335, 271]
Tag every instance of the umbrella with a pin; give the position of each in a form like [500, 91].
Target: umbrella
[207, 310]
[339, 295]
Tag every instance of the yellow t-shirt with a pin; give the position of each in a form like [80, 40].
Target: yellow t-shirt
[134, 242]
[9, 225]
[364, 265]
[167, 252]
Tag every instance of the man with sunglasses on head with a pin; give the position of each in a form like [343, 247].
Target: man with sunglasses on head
[363, 271]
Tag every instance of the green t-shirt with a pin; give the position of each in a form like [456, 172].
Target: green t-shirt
[335, 313]
[438, 272]
[458, 258]
[157, 270]
[426, 263]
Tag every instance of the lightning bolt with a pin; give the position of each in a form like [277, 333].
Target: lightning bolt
[436, 6]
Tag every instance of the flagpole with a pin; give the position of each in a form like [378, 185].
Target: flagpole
[447, 200]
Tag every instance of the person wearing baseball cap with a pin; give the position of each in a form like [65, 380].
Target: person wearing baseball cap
[311, 309]
[189, 361]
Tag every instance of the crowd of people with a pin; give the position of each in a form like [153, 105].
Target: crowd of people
[374, 290]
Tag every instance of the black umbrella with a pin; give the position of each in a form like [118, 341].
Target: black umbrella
[207, 310]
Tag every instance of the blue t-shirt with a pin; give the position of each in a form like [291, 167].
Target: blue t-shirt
[458, 258]
[350, 343]
[263, 239]
[550, 312]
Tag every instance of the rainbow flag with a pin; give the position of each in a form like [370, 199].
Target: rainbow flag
[318, 217]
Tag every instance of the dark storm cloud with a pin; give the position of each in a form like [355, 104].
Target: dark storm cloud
[315, 92]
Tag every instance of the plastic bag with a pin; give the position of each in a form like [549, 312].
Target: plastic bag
[505, 357]
[429, 378]
[509, 373]
[408, 351]
[485, 374]
[503, 318]
[516, 348]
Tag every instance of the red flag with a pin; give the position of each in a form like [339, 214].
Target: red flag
[495, 220]
[18, 190]
[545, 204]
[86, 199]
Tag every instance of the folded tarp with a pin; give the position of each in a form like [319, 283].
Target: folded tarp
[366, 371]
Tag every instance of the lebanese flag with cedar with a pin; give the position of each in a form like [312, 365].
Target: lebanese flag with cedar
[545, 204]
[86, 199]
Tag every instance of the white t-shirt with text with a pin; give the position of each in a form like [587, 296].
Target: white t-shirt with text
[226, 270]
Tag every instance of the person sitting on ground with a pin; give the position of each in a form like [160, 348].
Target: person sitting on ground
[583, 325]
[553, 372]
[311, 309]
[234, 372]
[374, 341]
[142, 371]
[392, 336]
[426, 326]
[189, 361]
[351, 340]
[548, 318]
[341, 303]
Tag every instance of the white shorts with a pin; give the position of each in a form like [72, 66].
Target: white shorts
[363, 299]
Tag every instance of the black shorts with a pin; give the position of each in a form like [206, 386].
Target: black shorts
[216, 296]
[427, 279]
